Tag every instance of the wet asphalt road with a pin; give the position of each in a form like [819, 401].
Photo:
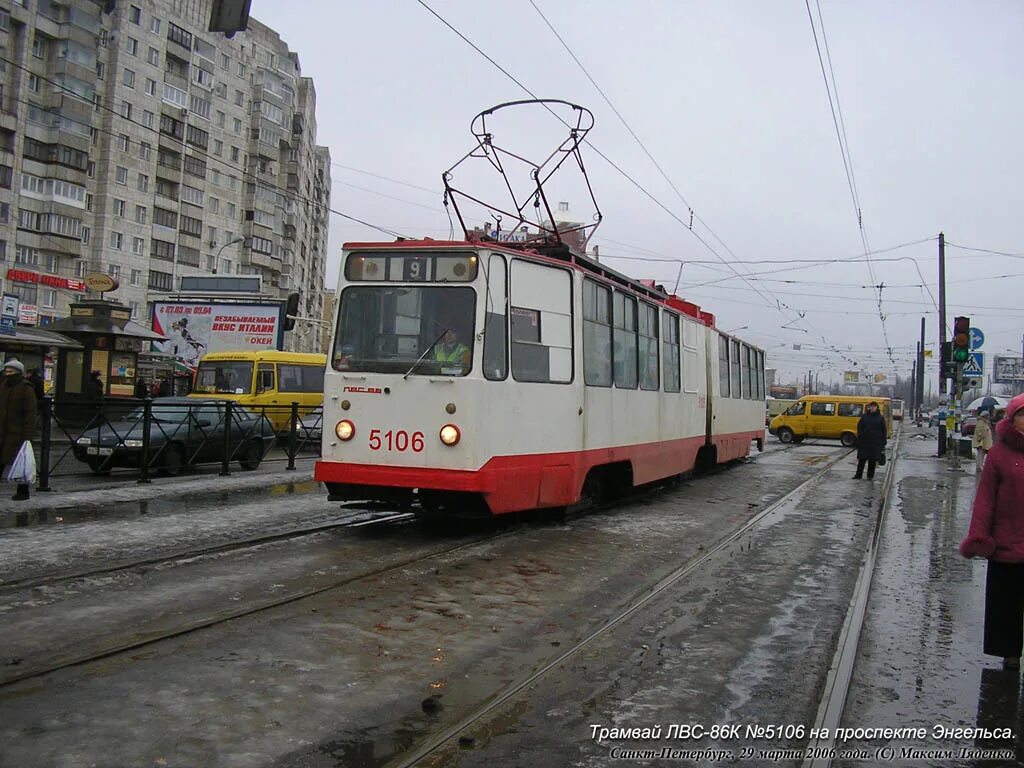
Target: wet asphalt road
[343, 679]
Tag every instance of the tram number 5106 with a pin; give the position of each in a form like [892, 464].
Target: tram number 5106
[396, 440]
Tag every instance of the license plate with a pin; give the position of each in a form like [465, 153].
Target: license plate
[99, 451]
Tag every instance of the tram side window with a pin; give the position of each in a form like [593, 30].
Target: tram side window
[649, 359]
[624, 340]
[760, 375]
[723, 366]
[746, 358]
[734, 368]
[541, 323]
[670, 344]
[693, 355]
[496, 320]
[597, 335]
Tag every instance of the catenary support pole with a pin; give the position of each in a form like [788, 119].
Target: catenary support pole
[943, 400]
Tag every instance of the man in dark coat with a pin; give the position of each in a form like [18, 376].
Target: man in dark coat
[871, 437]
[36, 381]
[17, 416]
[141, 389]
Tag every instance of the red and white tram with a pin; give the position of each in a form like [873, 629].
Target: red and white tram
[479, 377]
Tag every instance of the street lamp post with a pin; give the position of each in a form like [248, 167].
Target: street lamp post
[234, 241]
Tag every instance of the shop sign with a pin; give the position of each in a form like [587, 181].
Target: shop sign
[9, 315]
[100, 282]
[28, 314]
[53, 281]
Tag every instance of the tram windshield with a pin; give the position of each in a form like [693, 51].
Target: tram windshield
[415, 330]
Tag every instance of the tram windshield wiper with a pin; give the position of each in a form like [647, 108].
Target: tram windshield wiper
[426, 352]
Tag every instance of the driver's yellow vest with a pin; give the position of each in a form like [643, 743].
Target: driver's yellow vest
[456, 354]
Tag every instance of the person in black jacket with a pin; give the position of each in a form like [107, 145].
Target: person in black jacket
[871, 437]
[36, 381]
[17, 417]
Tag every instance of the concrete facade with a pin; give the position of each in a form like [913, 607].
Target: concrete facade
[137, 144]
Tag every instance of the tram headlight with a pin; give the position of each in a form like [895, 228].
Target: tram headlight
[345, 429]
[449, 434]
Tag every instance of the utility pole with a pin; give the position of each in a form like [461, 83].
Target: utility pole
[920, 374]
[913, 386]
[943, 400]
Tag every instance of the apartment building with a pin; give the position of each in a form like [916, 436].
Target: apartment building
[137, 144]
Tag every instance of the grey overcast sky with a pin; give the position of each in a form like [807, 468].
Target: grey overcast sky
[729, 98]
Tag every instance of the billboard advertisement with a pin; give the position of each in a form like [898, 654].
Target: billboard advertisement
[1007, 370]
[194, 328]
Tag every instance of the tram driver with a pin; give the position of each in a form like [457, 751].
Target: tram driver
[451, 352]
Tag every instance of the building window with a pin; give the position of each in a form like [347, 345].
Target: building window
[160, 281]
[225, 62]
[214, 205]
[140, 214]
[147, 118]
[143, 183]
[145, 150]
[239, 98]
[124, 142]
[133, 306]
[138, 246]
[129, 78]
[165, 218]
[39, 46]
[154, 25]
[33, 83]
[131, 45]
[160, 249]
[218, 147]
[262, 245]
[121, 175]
[126, 110]
[235, 153]
[134, 14]
[191, 226]
[81, 268]
[153, 57]
[180, 36]
[136, 277]
[49, 298]
[101, 70]
[150, 86]
[114, 271]
[116, 240]
[119, 208]
[86, 233]
[237, 127]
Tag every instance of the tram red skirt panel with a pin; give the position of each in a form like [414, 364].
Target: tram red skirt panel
[513, 483]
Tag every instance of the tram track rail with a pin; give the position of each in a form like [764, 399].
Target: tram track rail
[54, 579]
[115, 648]
[671, 580]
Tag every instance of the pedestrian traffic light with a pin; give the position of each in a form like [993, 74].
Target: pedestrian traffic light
[961, 339]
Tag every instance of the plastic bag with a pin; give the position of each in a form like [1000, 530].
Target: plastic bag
[23, 468]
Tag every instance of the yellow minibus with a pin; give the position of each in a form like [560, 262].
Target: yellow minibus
[267, 381]
[832, 417]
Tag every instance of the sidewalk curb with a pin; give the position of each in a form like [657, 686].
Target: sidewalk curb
[183, 487]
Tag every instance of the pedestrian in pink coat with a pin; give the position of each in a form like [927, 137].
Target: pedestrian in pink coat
[997, 533]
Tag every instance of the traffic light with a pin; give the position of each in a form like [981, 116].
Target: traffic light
[961, 339]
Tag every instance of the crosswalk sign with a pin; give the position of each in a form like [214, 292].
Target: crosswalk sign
[975, 365]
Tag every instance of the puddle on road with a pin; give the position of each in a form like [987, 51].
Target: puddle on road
[129, 510]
